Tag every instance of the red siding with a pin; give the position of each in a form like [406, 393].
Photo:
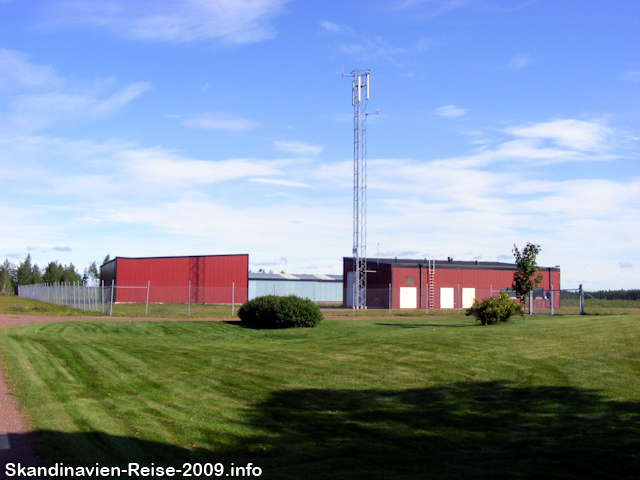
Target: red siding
[400, 276]
[483, 281]
[211, 277]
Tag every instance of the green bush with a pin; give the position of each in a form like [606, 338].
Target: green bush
[495, 310]
[271, 311]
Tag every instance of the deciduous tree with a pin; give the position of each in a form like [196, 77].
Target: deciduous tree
[527, 275]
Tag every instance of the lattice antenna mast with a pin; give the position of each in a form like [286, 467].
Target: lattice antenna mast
[359, 100]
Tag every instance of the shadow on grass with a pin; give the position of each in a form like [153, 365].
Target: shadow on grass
[423, 325]
[459, 431]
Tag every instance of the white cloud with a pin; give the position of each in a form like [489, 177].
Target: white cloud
[298, 148]
[220, 121]
[363, 46]
[521, 60]
[165, 195]
[450, 111]
[17, 71]
[332, 27]
[121, 98]
[286, 183]
[571, 133]
[33, 111]
[233, 22]
[160, 166]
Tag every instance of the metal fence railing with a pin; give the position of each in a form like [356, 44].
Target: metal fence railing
[72, 294]
[193, 300]
[137, 300]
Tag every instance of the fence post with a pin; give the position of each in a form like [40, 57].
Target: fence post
[233, 297]
[530, 303]
[390, 299]
[551, 299]
[146, 308]
[458, 299]
[111, 300]
[581, 300]
[426, 289]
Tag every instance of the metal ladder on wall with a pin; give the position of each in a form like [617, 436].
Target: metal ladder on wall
[431, 273]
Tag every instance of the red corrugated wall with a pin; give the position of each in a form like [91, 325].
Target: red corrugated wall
[214, 279]
[483, 281]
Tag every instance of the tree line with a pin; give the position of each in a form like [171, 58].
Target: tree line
[607, 294]
[28, 273]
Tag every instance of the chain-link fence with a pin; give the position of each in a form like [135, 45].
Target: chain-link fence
[141, 300]
[72, 294]
[457, 299]
[572, 301]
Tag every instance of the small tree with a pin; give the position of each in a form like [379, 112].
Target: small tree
[527, 275]
[91, 274]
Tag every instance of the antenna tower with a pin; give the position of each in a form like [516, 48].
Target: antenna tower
[359, 100]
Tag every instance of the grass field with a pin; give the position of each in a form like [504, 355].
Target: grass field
[359, 398]
[11, 304]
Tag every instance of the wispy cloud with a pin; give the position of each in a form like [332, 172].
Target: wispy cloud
[364, 47]
[34, 111]
[233, 22]
[276, 181]
[220, 121]
[298, 148]
[450, 111]
[576, 134]
[160, 166]
[521, 60]
[17, 71]
[332, 27]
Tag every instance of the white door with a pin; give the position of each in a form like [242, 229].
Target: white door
[446, 298]
[468, 296]
[408, 297]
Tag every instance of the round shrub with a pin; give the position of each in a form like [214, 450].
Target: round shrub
[271, 311]
[495, 310]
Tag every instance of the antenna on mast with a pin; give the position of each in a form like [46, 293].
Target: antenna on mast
[360, 80]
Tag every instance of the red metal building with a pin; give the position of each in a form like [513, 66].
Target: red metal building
[440, 283]
[202, 279]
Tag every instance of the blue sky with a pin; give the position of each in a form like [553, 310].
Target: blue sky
[155, 128]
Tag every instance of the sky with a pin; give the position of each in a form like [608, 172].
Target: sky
[195, 127]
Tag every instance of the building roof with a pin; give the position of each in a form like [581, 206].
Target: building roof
[296, 277]
[450, 263]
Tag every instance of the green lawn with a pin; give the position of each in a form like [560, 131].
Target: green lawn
[359, 398]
